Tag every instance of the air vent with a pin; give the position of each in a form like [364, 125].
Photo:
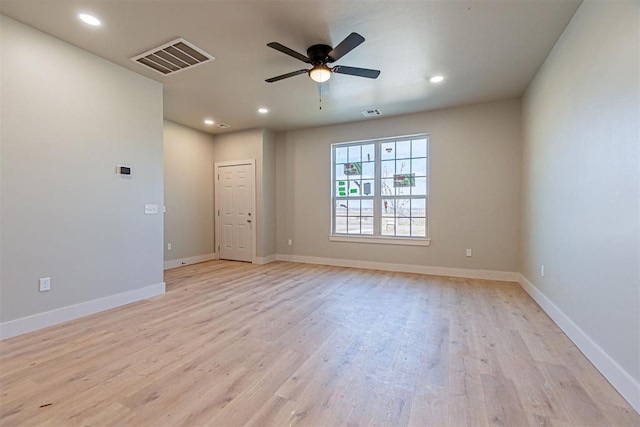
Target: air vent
[223, 126]
[372, 113]
[173, 57]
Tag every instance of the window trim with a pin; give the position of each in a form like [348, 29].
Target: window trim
[356, 238]
[377, 238]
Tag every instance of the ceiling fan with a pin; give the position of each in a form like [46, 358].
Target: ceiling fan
[319, 55]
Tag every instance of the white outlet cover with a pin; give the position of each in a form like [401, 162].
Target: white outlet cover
[45, 284]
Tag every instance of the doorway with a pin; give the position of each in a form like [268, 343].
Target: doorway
[235, 221]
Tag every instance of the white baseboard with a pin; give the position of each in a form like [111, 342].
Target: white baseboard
[23, 325]
[264, 260]
[621, 380]
[506, 276]
[190, 260]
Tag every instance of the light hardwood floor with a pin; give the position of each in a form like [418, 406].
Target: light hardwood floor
[283, 344]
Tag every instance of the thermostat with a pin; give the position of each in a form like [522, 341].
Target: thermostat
[123, 170]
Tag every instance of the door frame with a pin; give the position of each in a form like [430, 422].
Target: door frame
[216, 211]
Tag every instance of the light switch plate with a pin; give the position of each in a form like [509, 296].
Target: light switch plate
[150, 209]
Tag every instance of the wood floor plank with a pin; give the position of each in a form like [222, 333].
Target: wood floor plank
[581, 409]
[503, 406]
[234, 344]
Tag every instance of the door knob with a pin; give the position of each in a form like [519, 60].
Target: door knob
[248, 220]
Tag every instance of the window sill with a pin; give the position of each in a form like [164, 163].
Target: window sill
[380, 240]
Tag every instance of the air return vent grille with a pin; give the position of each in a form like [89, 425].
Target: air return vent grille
[172, 57]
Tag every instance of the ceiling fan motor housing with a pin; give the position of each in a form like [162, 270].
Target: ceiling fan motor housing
[318, 54]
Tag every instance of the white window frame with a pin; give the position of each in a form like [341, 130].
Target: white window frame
[377, 238]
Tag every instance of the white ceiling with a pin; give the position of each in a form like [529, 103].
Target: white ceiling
[487, 50]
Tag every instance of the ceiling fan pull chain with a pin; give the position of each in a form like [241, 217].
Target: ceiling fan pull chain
[321, 100]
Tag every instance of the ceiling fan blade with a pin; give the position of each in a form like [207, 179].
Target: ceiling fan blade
[279, 47]
[285, 76]
[360, 72]
[352, 41]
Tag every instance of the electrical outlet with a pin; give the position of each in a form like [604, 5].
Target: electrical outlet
[542, 271]
[45, 284]
[289, 242]
[469, 252]
[168, 246]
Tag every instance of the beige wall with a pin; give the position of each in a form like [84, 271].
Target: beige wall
[474, 189]
[189, 161]
[188, 192]
[269, 193]
[68, 118]
[581, 186]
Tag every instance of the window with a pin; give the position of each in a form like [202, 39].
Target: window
[380, 188]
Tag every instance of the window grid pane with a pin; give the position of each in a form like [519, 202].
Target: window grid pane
[353, 225]
[418, 227]
[355, 153]
[340, 225]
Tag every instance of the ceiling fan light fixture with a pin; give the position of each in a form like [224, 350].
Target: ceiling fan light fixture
[320, 73]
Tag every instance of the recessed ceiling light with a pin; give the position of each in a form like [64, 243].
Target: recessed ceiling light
[89, 19]
[209, 122]
[436, 79]
[263, 110]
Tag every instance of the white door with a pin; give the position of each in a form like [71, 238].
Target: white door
[236, 219]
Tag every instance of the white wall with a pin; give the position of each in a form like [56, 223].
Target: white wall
[581, 180]
[188, 193]
[474, 190]
[68, 118]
